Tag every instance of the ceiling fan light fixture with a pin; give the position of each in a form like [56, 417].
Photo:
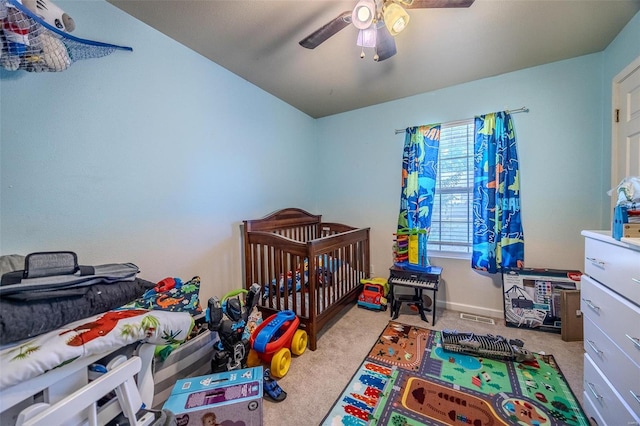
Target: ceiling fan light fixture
[385, 44]
[395, 18]
[367, 37]
[363, 14]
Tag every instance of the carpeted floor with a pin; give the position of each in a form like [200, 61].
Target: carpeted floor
[317, 378]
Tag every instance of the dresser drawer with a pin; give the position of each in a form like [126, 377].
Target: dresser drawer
[616, 267]
[622, 372]
[605, 400]
[590, 409]
[615, 316]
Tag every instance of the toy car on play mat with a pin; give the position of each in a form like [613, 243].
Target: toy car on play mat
[374, 294]
[271, 340]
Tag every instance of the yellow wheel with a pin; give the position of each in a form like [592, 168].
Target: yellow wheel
[299, 342]
[253, 359]
[280, 363]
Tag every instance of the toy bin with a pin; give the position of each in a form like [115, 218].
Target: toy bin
[191, 358]
[231, 397]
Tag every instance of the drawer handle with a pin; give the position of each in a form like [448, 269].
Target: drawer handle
[593, 346]
[635, 340]
[593, 391]
[596, 262]
[637, 397]
[635, 280]
[591, 305]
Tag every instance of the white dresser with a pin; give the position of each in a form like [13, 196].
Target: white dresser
[610, 303]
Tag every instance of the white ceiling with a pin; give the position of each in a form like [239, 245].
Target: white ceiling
[258, 40]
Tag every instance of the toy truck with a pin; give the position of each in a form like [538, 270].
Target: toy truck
[374, 294]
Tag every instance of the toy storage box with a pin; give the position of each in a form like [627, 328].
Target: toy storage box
[234, 397]
[190, 359]
[533, 298]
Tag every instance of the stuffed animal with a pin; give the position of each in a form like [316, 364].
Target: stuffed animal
[15, 29]
[30, 49]
[51, 14]
[53, 53]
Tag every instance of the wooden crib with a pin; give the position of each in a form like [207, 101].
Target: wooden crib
[304, 265]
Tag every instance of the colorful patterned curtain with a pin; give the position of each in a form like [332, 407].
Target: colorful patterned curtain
[419, 169]
[498, 239]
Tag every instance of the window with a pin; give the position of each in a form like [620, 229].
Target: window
[451, 220]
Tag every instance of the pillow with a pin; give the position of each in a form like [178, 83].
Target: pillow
[178, 297]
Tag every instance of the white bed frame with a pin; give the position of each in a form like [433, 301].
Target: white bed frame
[83, 403]
[53, 386]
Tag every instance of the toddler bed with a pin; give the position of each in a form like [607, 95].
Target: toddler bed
[54, 361]
[49, 367]
[305, 265]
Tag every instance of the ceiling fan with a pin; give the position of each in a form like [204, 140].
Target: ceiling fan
[377, 21]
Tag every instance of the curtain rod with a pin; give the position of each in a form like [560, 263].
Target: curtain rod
[510, 111]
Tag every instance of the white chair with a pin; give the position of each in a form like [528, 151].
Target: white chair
[81, 406]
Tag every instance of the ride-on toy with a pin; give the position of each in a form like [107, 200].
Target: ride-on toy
[271, 340]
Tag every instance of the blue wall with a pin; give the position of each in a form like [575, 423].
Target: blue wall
[153, 156]
[564, 145]
[559, 146]
[156, 156]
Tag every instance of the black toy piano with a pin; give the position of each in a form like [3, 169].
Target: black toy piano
[419, 279]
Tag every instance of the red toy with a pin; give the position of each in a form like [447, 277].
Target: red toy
[374, 294]
[271, 340]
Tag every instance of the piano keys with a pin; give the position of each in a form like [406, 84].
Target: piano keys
[428, 279]
[419, 279]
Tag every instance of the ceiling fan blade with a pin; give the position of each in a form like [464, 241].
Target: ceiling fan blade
[323, 33]
[426, 4]
[385, 45]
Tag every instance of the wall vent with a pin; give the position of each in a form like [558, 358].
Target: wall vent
[477, 318]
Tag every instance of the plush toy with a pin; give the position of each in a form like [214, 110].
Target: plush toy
[36, 50]
[54, 53]
[3, 43]
[27, 47]
[15, 28]
[51, 14]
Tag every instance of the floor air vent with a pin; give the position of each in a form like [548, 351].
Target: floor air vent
[476, 318]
